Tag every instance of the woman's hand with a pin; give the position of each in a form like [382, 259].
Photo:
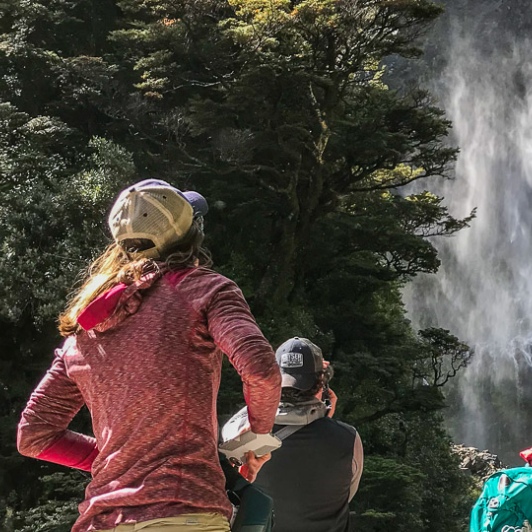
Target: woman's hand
[253, 465]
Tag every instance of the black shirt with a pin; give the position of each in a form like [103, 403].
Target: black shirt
[309, 478]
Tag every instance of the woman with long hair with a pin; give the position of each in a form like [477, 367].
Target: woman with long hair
[143, 350]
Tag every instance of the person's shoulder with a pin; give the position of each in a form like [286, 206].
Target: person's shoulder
[212, 276]
[197, 275]
[69, 342]
[340, 426]
[208, 285]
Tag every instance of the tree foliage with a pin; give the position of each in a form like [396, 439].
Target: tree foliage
[279, 112]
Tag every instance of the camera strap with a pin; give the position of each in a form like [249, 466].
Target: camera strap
[288, 430]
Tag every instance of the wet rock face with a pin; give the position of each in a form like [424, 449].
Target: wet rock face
[477, 463]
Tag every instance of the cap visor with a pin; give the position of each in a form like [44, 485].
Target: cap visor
[198, 202]
[299, 382]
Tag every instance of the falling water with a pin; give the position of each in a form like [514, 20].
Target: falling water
[483, 291]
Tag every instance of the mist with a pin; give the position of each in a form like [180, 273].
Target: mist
[483, 291]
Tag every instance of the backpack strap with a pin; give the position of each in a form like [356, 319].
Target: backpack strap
[287, 430]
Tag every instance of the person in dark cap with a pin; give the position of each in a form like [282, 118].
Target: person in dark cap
[314, 475]
[145, 335]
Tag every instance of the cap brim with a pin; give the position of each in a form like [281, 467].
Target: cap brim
[198, 202]
[299, 382]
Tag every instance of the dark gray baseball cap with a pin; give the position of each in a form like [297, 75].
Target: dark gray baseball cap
[300, 361]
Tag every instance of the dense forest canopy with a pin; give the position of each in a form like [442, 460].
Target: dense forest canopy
[279, 113]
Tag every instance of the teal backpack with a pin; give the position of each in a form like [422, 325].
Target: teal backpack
[505, 504]
[255, 508]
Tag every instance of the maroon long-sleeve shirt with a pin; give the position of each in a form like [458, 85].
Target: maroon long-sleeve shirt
[148, 369]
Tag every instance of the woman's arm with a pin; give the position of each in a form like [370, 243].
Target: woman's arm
[235, 332]
[42, 430]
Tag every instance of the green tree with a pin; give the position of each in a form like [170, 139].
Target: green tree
[55, 191]
[278, 111]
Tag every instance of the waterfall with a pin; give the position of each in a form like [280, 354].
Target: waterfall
[483, 291]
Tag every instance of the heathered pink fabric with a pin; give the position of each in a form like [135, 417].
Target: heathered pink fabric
[150, 383]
